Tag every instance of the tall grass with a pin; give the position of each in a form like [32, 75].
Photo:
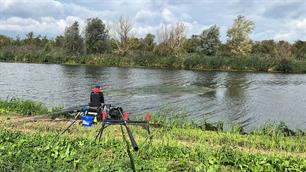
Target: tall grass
[23, 107]
[253, 62]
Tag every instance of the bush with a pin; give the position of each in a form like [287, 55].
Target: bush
[284, 66]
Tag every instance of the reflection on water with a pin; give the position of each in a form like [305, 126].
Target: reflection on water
[250, 99]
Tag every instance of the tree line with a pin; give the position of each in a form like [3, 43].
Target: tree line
[168, 41]
[171, 40]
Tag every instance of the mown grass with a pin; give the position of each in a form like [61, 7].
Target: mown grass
[174, 145]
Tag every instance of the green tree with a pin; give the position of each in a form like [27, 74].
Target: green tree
[148, 42]
[29, 38]
[37, 40]
[209, 41]
[59, 41]
[44, 41]
[4, 40]
[238, 36]
[73, 42]
[283, 50]
[96, 36]
[264, 47]
[191, 44]
[299, 49]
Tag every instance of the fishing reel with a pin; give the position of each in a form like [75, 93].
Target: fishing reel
[109, 111]
[112, 112]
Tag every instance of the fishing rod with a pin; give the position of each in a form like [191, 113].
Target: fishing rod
[73, 109]
[75, 119]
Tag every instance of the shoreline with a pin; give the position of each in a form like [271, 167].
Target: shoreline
[159, 67]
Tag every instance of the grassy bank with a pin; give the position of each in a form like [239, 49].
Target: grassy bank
[174, 146]
[262, 63]
[22, 107]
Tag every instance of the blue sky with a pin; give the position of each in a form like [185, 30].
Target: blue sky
[275, 19]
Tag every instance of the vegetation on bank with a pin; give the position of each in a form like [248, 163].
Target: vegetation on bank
[175, 145]
[170, 48]
[22, 107]
[16, 106]
[255, 63]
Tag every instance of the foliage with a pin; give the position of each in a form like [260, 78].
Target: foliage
[175, 144]
[283, 50]
[191, 44]
[171, 50]
[73, 43]
[238, 39]
[299, 50]
[59, 41]
[284, 66]
[124, 35]
[209, 41]
[96, 36]
[4, 40]
[148, 42]
[265, 47]
[171, 40]
[23, 107]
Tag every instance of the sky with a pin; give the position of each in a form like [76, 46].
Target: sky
[274, 19]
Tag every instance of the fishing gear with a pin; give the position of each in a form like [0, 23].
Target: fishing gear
[121, 118]
[109, 115]
[67, 111]
[75, 120]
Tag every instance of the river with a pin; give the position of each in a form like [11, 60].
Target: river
[250, 99]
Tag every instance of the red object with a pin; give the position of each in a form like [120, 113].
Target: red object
[103, 115]
[148, 116]
[96, 90]
[125, 116]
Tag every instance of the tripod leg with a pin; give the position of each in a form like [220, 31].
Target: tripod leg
[148, 128]
[128, 150]
[99, 135]
[103, 127]
[75, 119]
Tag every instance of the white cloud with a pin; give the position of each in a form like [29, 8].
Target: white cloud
[42, 25]
[301, 24]
[43, 8]
[50, 17]
[283, 36]
[146, 17]
[143, 30]
[168, 16]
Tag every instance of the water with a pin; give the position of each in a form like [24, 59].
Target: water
[250, 99]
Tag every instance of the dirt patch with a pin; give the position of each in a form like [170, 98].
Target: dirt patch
[35, 123]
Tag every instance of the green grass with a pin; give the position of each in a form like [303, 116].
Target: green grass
[22, 107]
[174, 145]
[169, 150]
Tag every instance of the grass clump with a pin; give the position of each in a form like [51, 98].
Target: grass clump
[22, 107]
